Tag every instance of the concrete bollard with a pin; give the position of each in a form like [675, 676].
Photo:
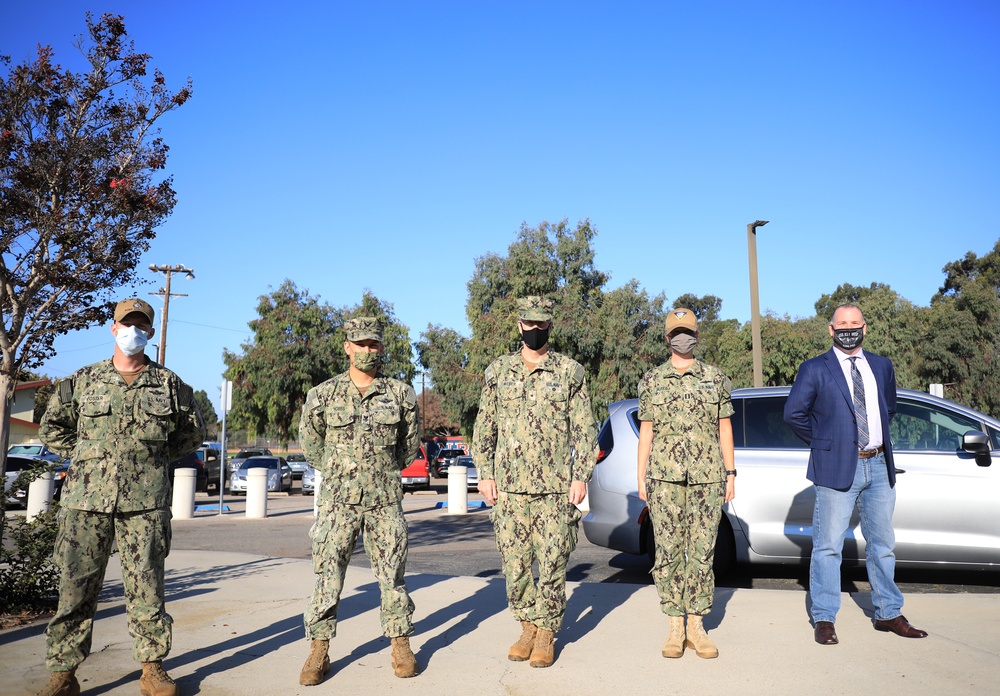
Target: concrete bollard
[458, 489]
[257, 493]
[182, 503]
[317, 482]
[40, 492]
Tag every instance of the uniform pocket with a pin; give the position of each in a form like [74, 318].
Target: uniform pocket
[510, 391]
[155, 412]
[385, 423]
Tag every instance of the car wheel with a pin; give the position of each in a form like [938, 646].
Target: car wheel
[725, 550]
[649, 542]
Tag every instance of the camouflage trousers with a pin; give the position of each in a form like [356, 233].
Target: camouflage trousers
[530, 528]
[83, 547]
[334, 535]
[685, 519]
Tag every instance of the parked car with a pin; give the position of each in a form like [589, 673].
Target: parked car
[444, 457]
[245, 454]
[191, 461]
[471, 473]
[16, 480]
[418, 473]
[309, 481]
[279, 476]
[297, 463]
[211, 459]
[36, 449]
[947, 487]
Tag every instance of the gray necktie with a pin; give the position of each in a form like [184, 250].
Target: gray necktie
[860, 412]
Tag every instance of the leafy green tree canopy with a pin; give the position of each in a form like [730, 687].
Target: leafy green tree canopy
[615, 334]
[297, 343]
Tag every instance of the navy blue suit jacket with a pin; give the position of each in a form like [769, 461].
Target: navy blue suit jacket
[821, 411]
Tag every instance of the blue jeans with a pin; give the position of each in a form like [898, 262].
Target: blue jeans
[875, 500]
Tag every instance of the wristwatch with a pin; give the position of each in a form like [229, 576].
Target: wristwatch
[730, 472]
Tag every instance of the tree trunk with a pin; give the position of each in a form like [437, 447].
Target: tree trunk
[6, 401]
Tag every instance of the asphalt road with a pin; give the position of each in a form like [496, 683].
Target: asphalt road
[463, 545]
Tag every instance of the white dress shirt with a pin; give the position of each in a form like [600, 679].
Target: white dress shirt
[871, 392]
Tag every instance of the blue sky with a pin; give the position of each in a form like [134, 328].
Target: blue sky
[387, 145]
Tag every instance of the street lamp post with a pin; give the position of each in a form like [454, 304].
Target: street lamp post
[165, 293]
[758, 361]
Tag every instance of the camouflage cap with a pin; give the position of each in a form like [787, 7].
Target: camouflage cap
[681, 318]
[363, 329]
[534, 308]
[133, 304]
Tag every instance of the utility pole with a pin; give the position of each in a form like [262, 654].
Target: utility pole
[758, 360]
[166, 295]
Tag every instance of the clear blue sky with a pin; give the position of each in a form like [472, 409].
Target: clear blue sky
[387, 145]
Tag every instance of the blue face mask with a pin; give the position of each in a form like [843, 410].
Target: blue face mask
[130, 340]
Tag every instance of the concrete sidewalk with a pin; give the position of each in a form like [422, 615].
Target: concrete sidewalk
[238, 630]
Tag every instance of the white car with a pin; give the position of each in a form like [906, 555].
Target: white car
[279, 475]
[947, 461]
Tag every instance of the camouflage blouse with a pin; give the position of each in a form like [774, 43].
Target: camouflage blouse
[685, 410]
[358, 443]
[535, 432]
[121, 437]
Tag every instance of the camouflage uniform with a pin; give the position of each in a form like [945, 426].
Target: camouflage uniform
[121, 438]
[534, 435]
[685, 480]
[360, 444]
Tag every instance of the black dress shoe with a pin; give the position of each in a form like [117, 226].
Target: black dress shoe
[900, 626]
[826, 634]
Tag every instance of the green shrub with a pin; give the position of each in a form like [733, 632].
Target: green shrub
[29, 579]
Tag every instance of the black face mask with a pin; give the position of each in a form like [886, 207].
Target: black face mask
[849, 339]
[535, 338]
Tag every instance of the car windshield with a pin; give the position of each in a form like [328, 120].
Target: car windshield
[25, 449]
[20, 464]
[465, 460]
[260, 463]
[243, 454]
[295, 458]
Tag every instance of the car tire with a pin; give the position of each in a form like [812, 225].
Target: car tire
[649, 542]
[725, 550]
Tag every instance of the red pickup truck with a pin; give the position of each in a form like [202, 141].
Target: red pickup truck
[418, 474]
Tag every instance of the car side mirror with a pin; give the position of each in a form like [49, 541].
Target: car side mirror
[977, 443]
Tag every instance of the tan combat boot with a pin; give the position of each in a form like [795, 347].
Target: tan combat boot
[674, 645]
[317, 664]
[521, 650]
[543, 654]
[403, 661]
[61, 684]
[155, 681]
[698, 639]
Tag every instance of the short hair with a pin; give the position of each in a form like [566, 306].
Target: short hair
[848, 305]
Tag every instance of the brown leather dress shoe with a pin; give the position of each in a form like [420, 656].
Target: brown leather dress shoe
[900, 626]
[825, 633]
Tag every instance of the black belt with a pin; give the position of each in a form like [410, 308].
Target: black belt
[868, 454]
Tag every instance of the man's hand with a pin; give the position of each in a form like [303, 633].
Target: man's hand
[488, 489]
[577, 492]
[730, 488]
[642, 490]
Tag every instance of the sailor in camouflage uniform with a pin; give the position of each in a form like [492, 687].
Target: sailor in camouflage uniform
[535, 448]
[121, 421]
[360, 431]
[686, 472]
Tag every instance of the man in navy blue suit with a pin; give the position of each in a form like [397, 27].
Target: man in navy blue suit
[841, 405]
